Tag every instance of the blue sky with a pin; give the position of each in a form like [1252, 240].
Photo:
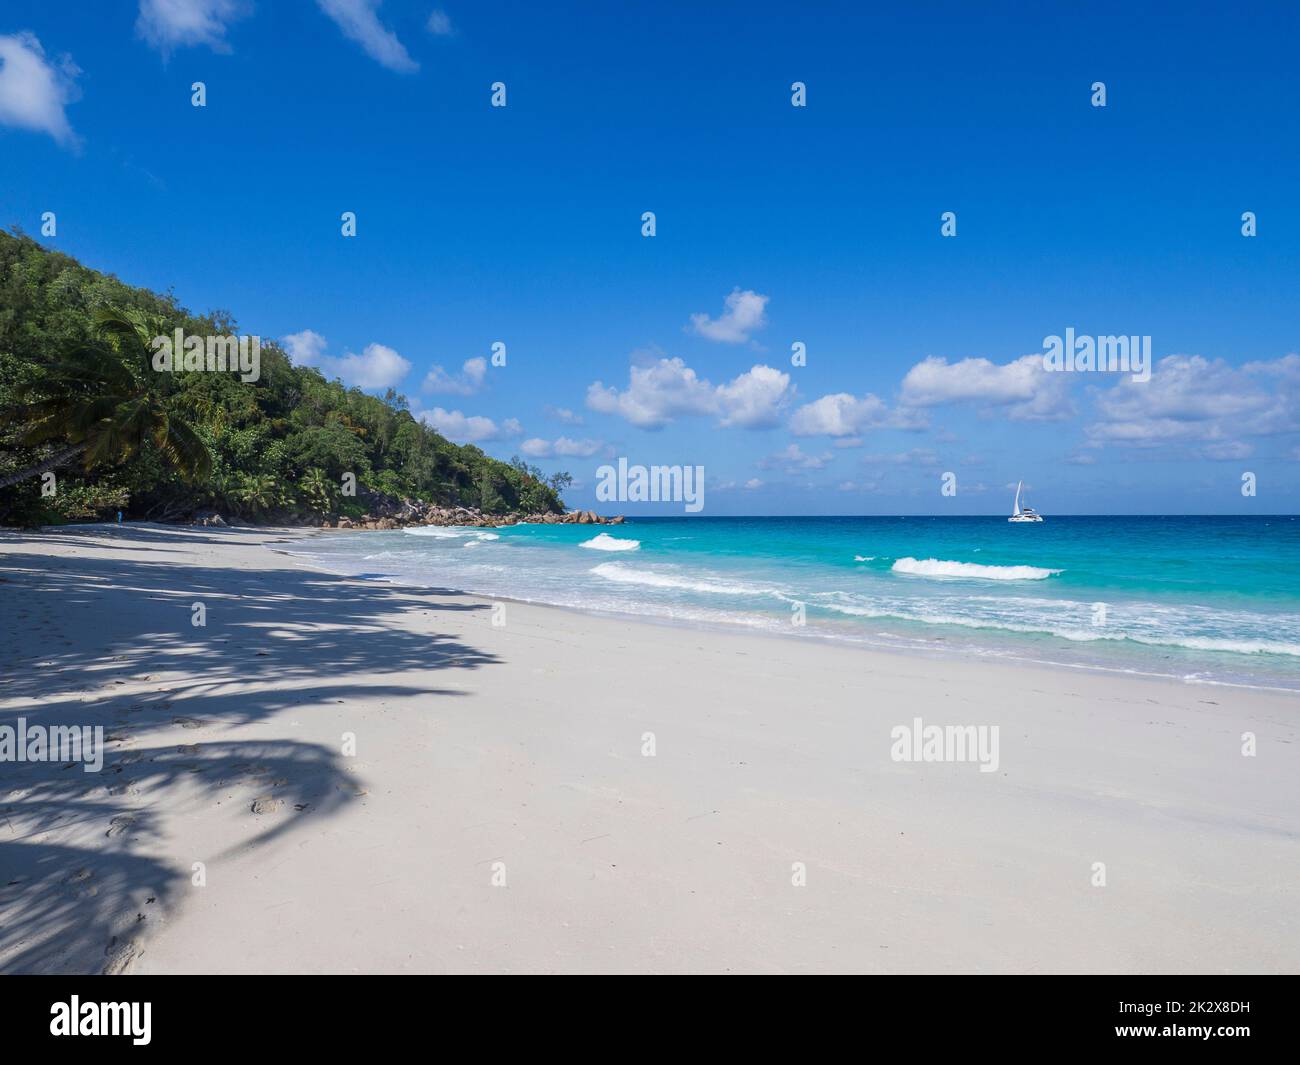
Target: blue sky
[775, 224]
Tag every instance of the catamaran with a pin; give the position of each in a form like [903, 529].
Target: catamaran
[1023, 513]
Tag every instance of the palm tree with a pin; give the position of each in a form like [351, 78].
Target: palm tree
[106, 400]
[318, 489]
[259, 492]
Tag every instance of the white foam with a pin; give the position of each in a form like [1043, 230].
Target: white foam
[944, 613]
[1210, 643]
[614, 571]
[446, 532]
[934, 567]
[605, 542]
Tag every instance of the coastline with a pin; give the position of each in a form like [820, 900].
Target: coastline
[1001, 649]
[522, 744]
[939, 652]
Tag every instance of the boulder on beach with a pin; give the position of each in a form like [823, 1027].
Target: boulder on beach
[414, 513]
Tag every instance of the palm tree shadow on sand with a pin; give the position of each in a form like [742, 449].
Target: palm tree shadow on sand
[87, 866]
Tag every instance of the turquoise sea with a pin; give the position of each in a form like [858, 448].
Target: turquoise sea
[1204, 599]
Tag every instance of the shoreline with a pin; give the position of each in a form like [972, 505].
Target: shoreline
[943, 653]
[919, 654]
[523, 745]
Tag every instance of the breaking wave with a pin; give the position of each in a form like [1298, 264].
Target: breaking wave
[605, 542]
[933, 567]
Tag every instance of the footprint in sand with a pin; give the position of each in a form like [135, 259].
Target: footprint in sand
[267, 804]
[121, 956]
[120, 824]
[187, 722]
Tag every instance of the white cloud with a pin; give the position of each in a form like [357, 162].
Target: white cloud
[744, 315]
[563, 447]
[1190, 399]
[169, 24]
[793, 459]
[469, 429]
[755, 399]
[655, 395]
[753, 483]
[567, 448]
[840, 415]
[439, 24]
[917, 456]
[359, 21]
[378, 366]
[33, 90]
[305, 348]
[1023, 387]
[465, 383]
[667, 389]
[563, 414]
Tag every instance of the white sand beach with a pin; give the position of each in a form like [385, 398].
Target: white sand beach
[499, 814]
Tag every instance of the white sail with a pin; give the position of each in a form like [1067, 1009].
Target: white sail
[1025, 513]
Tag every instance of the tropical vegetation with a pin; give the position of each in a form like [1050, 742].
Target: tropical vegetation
[89, 428]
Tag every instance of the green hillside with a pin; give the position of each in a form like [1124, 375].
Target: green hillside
[76, 380]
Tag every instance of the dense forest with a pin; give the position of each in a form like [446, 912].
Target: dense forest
[80, 396]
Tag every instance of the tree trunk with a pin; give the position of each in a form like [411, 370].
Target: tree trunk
[55, 460]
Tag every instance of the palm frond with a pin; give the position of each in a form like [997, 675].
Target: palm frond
[186, 450]
[132, 329]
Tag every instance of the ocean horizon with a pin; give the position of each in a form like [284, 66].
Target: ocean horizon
[1211, 599]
